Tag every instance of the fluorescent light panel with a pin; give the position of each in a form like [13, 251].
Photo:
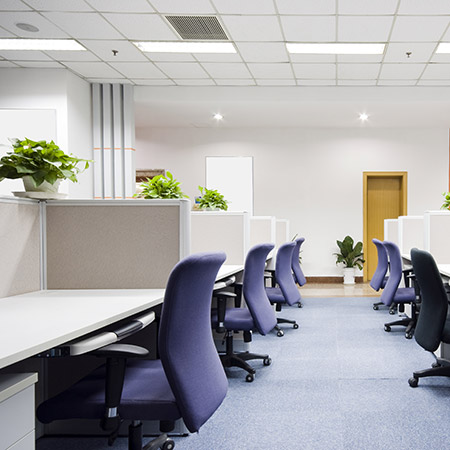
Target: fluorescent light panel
[186, 47]
[443, 47]
[40, 44]
[337, 49]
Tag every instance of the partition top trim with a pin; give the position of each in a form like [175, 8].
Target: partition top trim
[28, 201]
[134, 202]
[220, 213]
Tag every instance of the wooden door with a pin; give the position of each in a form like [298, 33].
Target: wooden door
[385, 195]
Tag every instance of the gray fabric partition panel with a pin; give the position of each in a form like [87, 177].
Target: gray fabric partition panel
[20, 247]
[111, 247]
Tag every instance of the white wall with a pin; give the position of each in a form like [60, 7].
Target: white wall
[69, 96]
[312, 177]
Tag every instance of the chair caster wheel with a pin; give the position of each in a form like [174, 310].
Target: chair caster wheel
[387, 328]
[435, 364]
[413, 382]
[299, 305]
[280, 333]
[267, 361]
[375, 307]
[295, 326]
[392, 312]
[408, 335]
[168, 445]
[249, 378]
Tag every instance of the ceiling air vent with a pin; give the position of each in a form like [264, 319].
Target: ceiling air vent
[200, 28]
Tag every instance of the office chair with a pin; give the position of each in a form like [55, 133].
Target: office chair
[400, 296]
[297, 271]
[379, 278]
[286, 292]
[433, 324]
[188, 381]
[258, 315]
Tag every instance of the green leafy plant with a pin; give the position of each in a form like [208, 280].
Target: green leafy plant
[41, 160]
[211, 198]
[161, 187]
[349, 255]
[446, 204]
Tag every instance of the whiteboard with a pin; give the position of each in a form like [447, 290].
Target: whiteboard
[35, 124]
[232, 176]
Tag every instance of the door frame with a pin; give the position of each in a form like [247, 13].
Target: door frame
[404, 209]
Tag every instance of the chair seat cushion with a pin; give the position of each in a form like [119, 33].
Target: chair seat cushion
[275, 295]
[446, 331]
[404, 295]
[146, 396]
[235, 319]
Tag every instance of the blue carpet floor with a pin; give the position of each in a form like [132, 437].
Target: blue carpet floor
[339, 382]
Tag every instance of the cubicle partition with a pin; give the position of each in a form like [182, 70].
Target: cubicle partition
[262, 230]
[282, 232]
[436, 235]
[410, 233]
[391, 230]
[228, 232]
[20, 246]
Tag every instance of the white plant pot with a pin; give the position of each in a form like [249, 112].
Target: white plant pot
[349, 275]
[28, 183]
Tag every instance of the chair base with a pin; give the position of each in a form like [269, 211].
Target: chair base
[161, 442]
[240, 360]
[408, 322]
[441, 368]
[293, 322]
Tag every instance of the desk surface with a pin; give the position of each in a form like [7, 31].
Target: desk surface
[227, 270]
[37, 321]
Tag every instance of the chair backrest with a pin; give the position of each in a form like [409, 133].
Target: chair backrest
[377, 280]
[395, 272]
[283, 273]
[296, 268]
[434, 304]
[186, 345]
[254, 289]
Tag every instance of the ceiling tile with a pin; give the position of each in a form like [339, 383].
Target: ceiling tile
[316, 82]
[319, 71]
[143, 27]
[231, 71]
[195, 82]
[446, 37]
[436, 72]
[109, 80]
[441, 57]
[401, 71]
[309, 28]
[7, 65]
[357, 82]
[93, 69]
[297, 57]
[261, 70]
[419, 52]
[252, 28]
[170, 57]
[103, 49]
[236, 82]
[359, 58]
[46, 28]
[182, 70]
[141, 82]
[246, 7]
[41, 64]
[358, 71]
[306, 6]
[396, 82]
[364, 29]
[59, 5]
[424, 7]
[84, 25]
[419, 29]
[367, 7]
[263, 52]
[278, 82]
[218, 57]
[24, 55]
[183, 6]
[13, 5]
[72, 56]
[434, 82]
[128, 6]
[4, 33]
[137, 69]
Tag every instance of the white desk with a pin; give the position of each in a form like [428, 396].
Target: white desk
[227, 270]
[37, 321]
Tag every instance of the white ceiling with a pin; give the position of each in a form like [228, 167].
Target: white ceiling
[258, 28]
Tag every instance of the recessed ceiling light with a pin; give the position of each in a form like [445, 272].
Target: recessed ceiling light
[443, 47]
[337, 49]
[218, 116]
[363, 117]
[40, 44]
[186, 47]
[27, 27]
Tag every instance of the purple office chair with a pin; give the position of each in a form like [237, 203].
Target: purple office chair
[188, 381]
[379, 278]
[286, 292]
[258, 315]
[400, 296]
[297, 271]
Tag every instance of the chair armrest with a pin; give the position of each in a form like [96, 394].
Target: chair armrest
[238, 286]
[270, 275]
[406, 278]
[222, 298]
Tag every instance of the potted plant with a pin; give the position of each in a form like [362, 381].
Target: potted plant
[446, 204]
[161, 186]
[350, 256]
[40, 164]
[212, 199]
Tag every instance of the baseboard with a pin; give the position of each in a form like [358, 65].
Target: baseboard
[329, 280]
